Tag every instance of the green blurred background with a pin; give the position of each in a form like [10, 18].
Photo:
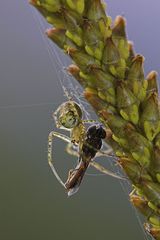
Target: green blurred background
[33, 206]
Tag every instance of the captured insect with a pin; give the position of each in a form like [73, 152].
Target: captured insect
[89, 147]
[83, 142]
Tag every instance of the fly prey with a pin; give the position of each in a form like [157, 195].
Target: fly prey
[87, 141]
[91, 144]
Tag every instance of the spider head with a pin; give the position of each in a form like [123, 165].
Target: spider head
[68, 115]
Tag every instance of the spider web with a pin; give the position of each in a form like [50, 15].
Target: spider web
[72, 90]
[70, 87]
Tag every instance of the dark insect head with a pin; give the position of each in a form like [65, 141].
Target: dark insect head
[96, 131]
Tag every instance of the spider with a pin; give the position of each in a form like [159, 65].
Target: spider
[83, 142]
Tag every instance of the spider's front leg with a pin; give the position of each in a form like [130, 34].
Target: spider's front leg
[74, 152]
[71, 150]
[50, 152]
[104, 170]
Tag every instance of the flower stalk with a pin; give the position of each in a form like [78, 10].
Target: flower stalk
[114, 83]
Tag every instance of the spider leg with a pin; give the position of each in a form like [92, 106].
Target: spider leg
[108, 152]
[55, 117]
[94, 164]
[73, 152]
[70, 150]
[88, 121]
[104, 170]
[50, 160]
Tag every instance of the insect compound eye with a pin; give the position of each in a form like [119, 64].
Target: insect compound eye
[101, 133]
[91, 131]
[96, 131]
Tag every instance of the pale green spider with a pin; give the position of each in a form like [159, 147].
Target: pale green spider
[68, 116]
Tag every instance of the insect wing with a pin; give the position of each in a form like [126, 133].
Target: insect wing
[75, 177]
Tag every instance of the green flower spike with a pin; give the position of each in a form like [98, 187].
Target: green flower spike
[77, 6]
[112, 76]
[135, 78]
[155, 163]
[134, 170]
[82, 59]
[152, 82]
[154, 231]
[50, 5]
[104, 84]
[141, 148]
[127, 103]
[93, 40]
[151, 191]
[95, 11]
[141, 204]
[119, 37]
[150, 116]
